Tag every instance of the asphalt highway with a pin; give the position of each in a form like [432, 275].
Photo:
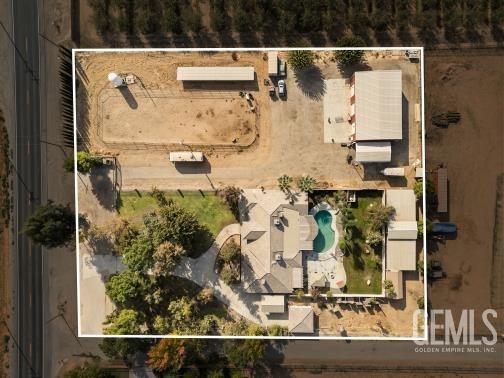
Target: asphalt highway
[28, 187]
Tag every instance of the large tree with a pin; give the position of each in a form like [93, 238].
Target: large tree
[138, 256]
[300, 59]
[172, 223]
[123, 322]
[245, 353]
[166, 258]
[167, 356]
[88, 371]
[51, 225]
[126, 288]
[123, 348]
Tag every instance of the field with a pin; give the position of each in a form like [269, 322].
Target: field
[361, 266]
[469, 82]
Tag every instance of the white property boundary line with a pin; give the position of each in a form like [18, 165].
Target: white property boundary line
[131, 50]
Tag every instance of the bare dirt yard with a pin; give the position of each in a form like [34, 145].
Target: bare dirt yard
[160, 110]
[286, 136]
[169, 117]
[469, 82]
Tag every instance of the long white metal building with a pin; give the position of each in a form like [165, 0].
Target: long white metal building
[376, 105]
[215, 73]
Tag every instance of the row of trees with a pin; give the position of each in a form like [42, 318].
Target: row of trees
[286, 18]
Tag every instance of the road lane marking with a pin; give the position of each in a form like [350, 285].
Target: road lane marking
[27, 96]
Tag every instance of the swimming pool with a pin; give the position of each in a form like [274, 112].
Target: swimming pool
[325, 236]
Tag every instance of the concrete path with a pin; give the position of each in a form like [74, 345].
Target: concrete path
[202, 272]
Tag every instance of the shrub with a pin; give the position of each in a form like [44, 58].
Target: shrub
[349, 57]
[231, 196]
[300, 59]
[374, 238]
[277, 330]
[85, 162]
[230, 251]
[379, 216]
[389, 289]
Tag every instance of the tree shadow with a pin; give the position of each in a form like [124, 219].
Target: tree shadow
[311, 82]
[102, 186]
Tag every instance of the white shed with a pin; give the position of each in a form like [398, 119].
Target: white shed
[373, 152]
[272, 63]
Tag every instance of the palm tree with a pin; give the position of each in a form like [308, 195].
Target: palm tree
[307, 184]
[284, 182]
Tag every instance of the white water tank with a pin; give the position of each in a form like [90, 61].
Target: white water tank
[115, 79]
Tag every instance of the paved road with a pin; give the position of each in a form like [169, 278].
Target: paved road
[27, 191]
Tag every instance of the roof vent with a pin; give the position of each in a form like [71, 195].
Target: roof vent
[278, 257]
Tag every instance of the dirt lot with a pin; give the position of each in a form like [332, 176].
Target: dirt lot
[288, 134]
[170, 117]
[394, 317]
[158, 108]
[470, 83]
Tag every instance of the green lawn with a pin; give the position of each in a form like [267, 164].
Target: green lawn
[209, 208]
[359, 265]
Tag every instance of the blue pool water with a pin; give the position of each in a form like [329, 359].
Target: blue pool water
[325, 236]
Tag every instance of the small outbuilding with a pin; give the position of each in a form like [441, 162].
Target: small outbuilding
[301, 320]
[373, 152]
[273, 304]
[272, 63]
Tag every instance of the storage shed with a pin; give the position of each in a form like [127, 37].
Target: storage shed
[215, 73]
[373, 152]
[272, 63]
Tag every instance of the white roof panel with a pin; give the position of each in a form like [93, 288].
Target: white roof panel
[405, 230]
[404, 203]
[401, 254]
[215, 73]
[378, 105]
[272, 63]
[373, 152]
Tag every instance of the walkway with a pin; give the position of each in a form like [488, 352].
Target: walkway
[202, 272]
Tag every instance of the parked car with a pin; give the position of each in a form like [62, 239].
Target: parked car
[281, 88]
[444, 228]
[435, 274]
